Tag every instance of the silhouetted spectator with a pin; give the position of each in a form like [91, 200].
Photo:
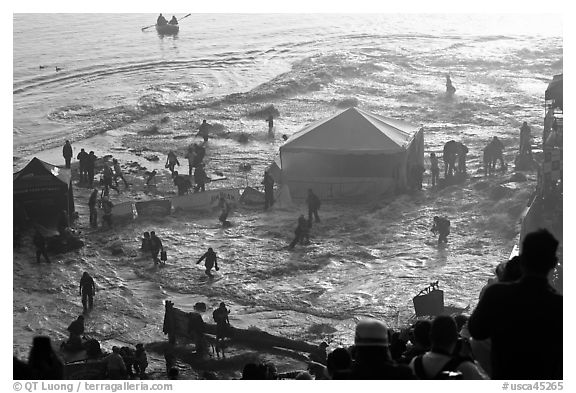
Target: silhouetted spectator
[372, 359]
[420, 339]
[20, 369]
[115, 367]
[339, 364]
[441, 359]
[140, 361]
[523, 319]
[43, 361]
[253, 371]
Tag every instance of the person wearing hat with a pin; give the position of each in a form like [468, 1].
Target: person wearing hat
[371, 355]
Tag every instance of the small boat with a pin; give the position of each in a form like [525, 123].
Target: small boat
[167, 29]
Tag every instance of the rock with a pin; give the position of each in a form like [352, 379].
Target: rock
[24, 309]
[116, 248]
[481, 185]
[152, 157]
[243, 138]
[518, 177]
[29, 328]
[499, 192]
[165, 119]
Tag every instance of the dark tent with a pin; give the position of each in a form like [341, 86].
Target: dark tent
[555, 91]
[41, 192]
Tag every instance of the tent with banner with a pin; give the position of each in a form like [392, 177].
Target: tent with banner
[41, 192]
[352, 153]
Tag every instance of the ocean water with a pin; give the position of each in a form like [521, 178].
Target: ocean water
[365, 260]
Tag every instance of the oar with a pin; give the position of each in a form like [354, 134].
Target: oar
[186, 16]
[147, 27]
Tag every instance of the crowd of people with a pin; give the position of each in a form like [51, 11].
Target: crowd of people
[515, 332]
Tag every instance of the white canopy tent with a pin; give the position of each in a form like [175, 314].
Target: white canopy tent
[351, 153]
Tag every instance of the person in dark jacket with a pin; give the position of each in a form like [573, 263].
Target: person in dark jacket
[67, 153]
[43, 362]
[161, 21]
[442, 226]
[92, 207]
[140, 361]
[76, 330]
[371, 355]
[200, 178]
[171, 161]
[155, 247]
[182, 183]
[173, 21]
[211, 261]
[90, 164]
[199, 154]
[40, 244]
[220, 316]
[300, 232]
[313, 203]
[268, 190]
[224, 210]
[524, 318]
[107, 206]
[203, 130]
[82, 156]
[146, 242]
[87, 291]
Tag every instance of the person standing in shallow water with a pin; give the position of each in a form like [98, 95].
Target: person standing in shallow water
[313, 206]
[67, 153]
[87, 291]
[203, 130]
[155, 246]
[442, 226]
[211, 261]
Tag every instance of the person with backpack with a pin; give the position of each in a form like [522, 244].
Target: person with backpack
[441, 362]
